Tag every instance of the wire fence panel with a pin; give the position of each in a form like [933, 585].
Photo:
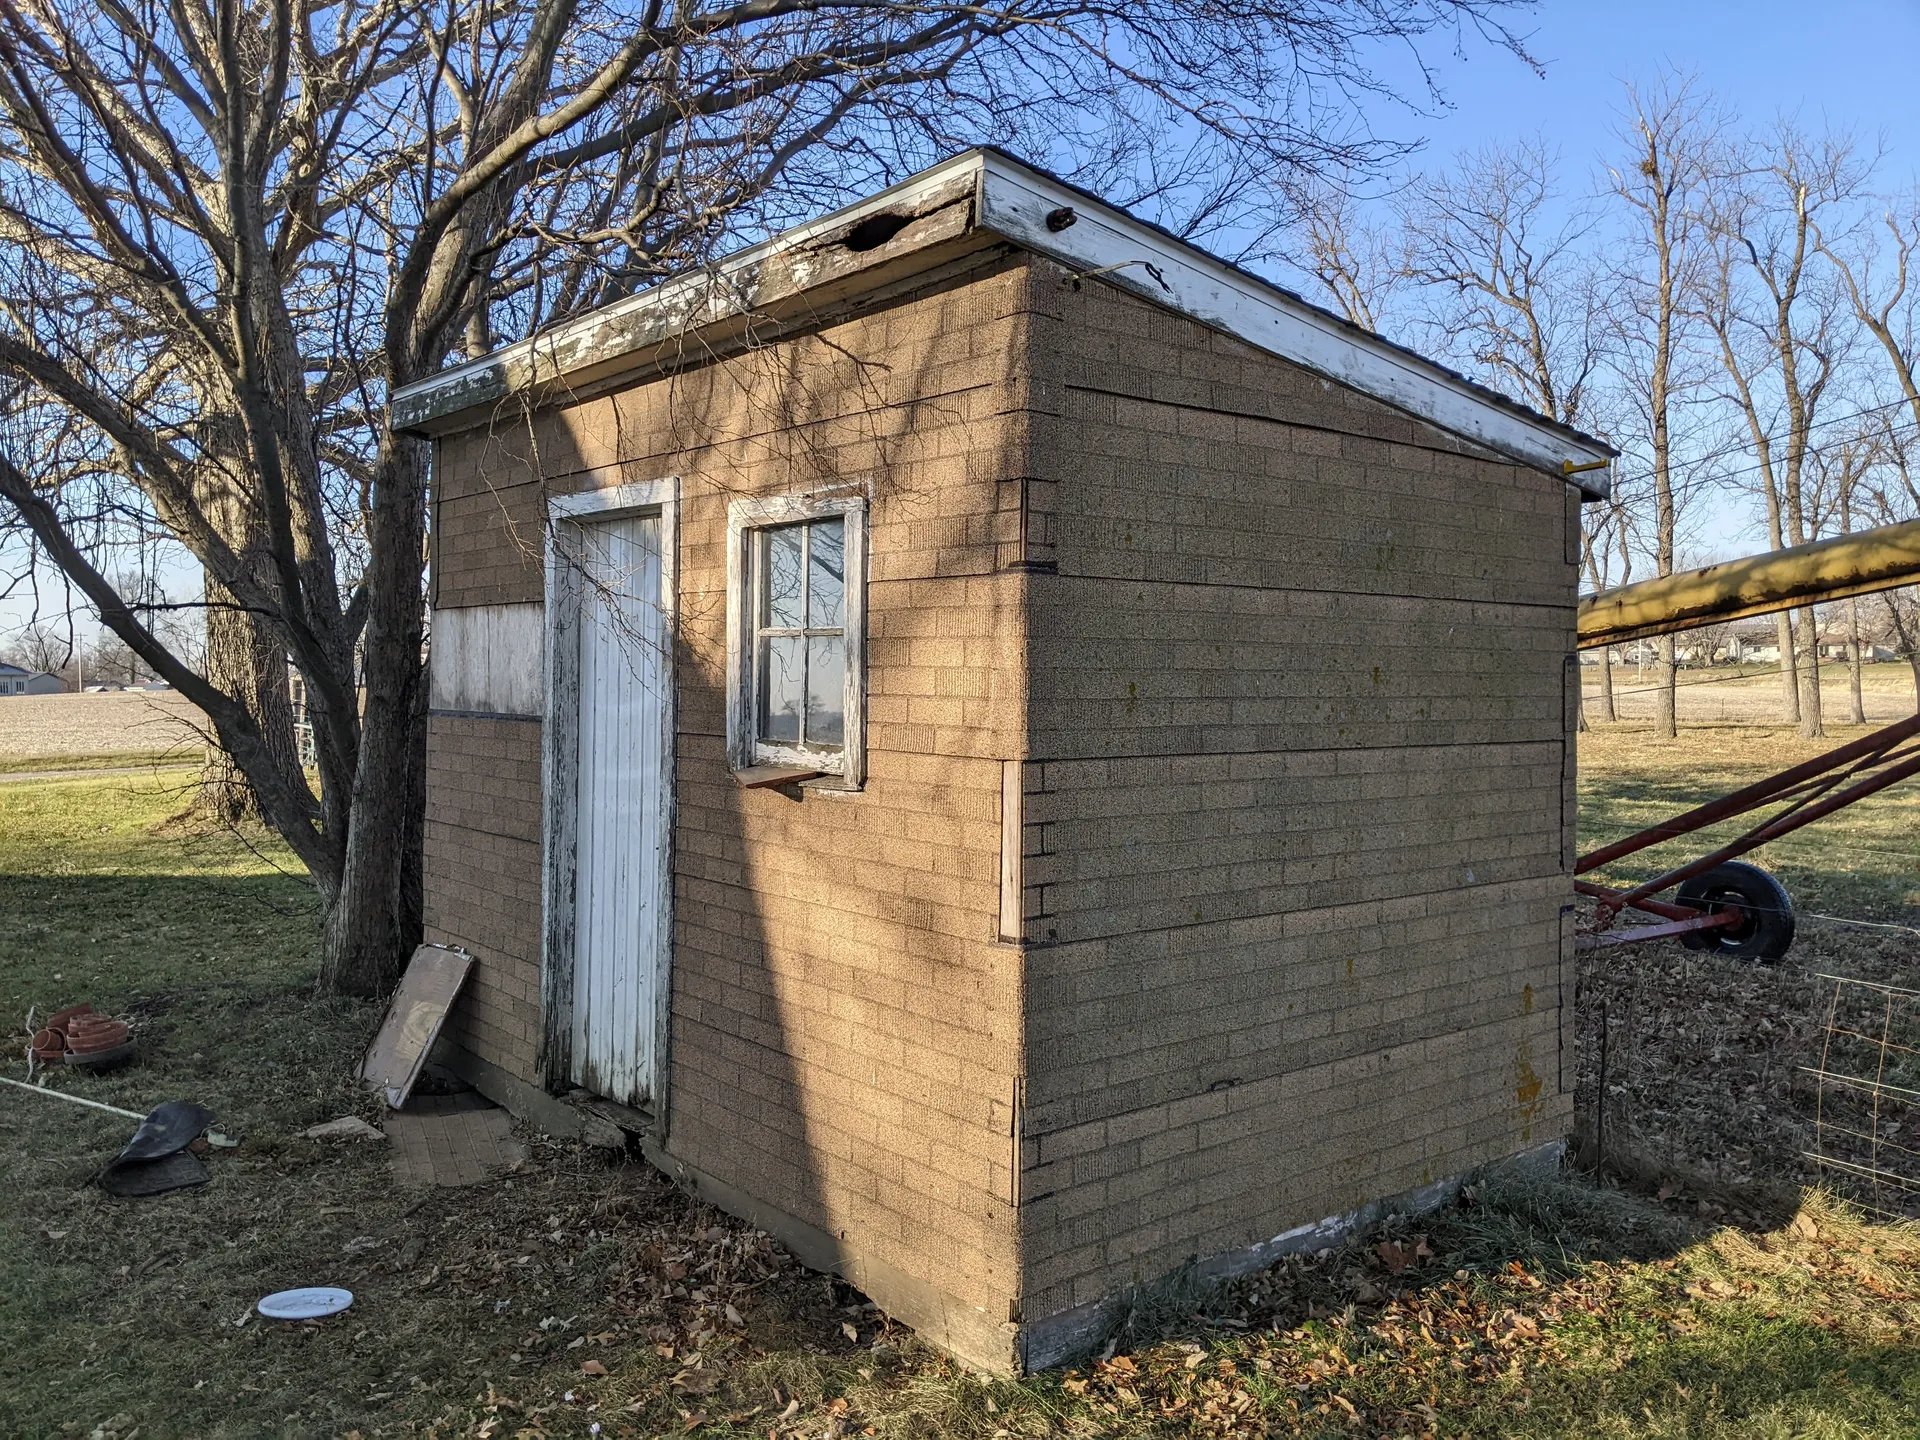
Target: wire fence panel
[1866, 1130]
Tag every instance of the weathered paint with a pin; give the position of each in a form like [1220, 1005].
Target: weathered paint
[1825, 570]
[1019, 203]
[489, 659]
[1009, 201]
[743, 516]
[619, 780]
[609, 731]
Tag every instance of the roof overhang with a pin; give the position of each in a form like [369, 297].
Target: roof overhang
[970, 203]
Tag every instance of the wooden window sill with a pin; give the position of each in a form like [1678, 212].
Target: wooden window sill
[759, 777]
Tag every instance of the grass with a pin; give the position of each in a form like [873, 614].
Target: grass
[584, 1290]
[173, 759]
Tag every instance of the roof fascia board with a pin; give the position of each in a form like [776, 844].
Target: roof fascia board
[1015, 202]
[729, 288]
[1010, 200]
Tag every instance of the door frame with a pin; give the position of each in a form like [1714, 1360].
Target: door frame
[560, 774]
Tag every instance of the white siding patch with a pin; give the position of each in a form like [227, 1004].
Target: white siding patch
[489, 659]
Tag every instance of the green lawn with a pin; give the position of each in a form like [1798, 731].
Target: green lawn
[1860, 863]
[583, 1290]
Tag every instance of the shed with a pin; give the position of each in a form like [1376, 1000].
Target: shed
[17, 680]
[1024, 756]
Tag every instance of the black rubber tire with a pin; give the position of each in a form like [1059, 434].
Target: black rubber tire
[1766, 928]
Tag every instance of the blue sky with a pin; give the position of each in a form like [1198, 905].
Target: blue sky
[1847, 64]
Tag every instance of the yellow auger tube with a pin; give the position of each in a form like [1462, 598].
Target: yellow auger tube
[1856, 564]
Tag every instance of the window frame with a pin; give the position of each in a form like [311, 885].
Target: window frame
[747, 520]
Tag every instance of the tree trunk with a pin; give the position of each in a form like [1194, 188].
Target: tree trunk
[1789, 669]
[373, 921]
[1855, 684]
[245, 660]
[1812, 720]
[1666, 720]
[1906, 640]
[1607, 711]
[374, 918]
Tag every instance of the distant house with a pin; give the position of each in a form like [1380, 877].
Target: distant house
[1872, 652]
[16, 680]
[1755, 644]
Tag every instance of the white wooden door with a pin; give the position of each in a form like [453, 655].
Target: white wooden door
[620, 852]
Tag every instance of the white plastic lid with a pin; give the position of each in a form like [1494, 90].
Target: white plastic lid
[309, 1303]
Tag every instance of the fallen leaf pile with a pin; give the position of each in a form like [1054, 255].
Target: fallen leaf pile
[1294, 1351]
[1708, 1091]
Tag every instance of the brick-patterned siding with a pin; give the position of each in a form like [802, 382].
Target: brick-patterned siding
[1296, 811]
[1283, 677]
[845, 1025]
[483, 879]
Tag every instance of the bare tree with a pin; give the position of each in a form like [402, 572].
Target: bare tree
[1510, 291]
[1890, 493]
[1671, 134]
[112, 661]
[1836, 476]
[1884, 291]
[1511, 294]
[41, 645]
[1349, 253]
[1903, 621]
[1784, 330]
[229, 227]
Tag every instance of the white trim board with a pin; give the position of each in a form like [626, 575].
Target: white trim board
[1013, 202]
[1016, 201]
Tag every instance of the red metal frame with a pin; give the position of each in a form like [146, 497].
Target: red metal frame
[1871, 763]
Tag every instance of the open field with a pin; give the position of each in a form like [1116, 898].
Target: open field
[55, 732]
[1751, 694]
[583, 1291]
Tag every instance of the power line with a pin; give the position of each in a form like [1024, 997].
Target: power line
[1800, 431]
[1761, 465]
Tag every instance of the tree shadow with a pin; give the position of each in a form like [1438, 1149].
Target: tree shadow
[844, 1028]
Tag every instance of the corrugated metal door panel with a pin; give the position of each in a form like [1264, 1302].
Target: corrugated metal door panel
[623, 678]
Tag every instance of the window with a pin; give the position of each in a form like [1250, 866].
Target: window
[796, 605]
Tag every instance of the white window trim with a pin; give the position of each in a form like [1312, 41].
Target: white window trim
[744, 518]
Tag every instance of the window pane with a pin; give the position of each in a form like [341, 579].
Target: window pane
[828, 574]
[826, 690]
[780, 564]
[782, 684]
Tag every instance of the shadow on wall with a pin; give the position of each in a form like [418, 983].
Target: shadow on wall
[845, 1040]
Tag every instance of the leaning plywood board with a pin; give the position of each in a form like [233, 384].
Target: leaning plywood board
[427, 991]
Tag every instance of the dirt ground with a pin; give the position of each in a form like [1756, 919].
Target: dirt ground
[40, 728]
[1704, 1072]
